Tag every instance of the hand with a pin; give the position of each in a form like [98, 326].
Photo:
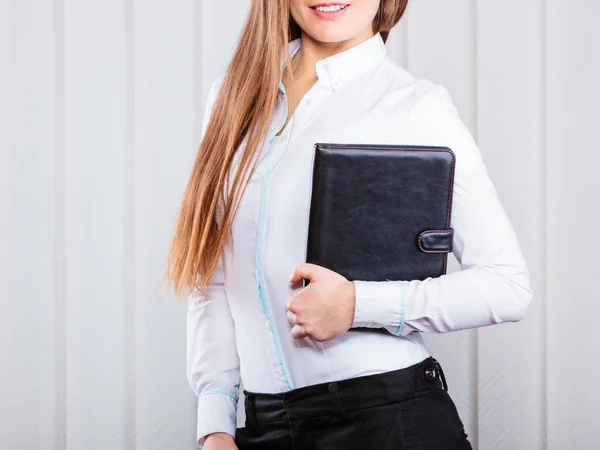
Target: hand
[325, 308]
[219, 441]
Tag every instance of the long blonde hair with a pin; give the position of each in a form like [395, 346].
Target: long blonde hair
[242, 112]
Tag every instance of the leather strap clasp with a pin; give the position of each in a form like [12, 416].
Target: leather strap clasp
[436, 241]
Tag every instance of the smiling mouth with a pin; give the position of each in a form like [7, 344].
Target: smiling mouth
[329, 7]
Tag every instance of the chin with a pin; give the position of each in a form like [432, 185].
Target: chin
[331, 34]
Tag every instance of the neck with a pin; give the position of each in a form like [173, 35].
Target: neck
[305, 61]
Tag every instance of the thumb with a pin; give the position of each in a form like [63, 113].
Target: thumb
[304, 270]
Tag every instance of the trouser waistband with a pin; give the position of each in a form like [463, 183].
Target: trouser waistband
[337, 397]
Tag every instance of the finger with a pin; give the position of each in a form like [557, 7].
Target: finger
[305, 270]
[292, 303]
[291, 317]
[298, 332]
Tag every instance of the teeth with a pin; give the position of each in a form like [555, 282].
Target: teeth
[330, 8]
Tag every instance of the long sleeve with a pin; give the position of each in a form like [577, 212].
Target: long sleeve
[493, 284]
[212, 358]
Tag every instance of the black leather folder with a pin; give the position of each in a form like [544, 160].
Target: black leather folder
[381, 212]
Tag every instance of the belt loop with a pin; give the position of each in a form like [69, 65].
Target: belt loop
[442, 376]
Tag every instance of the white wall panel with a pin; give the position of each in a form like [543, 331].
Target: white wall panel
[510, 96]
[164, 144]
[31, 374]
[573, 208]
[96, 129]
[101, 106]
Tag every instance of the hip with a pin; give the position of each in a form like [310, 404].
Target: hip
[405, 409]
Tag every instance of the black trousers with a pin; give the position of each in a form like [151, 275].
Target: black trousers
[405, 409]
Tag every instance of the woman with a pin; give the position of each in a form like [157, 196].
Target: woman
[301, 74]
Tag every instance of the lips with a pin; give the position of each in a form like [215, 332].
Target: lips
[330, 15]
[328, 4]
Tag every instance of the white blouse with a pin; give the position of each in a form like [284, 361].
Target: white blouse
[238, 329]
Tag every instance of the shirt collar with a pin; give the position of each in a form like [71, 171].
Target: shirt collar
[336, 70]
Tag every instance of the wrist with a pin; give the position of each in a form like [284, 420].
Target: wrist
[351, 296]
[219, 437]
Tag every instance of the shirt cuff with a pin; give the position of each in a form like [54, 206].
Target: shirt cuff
[217, 412]
[381, 304]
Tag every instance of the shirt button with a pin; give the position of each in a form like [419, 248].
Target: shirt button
[308, 101]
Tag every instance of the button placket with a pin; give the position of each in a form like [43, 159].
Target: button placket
[277, 358]
[303, 116]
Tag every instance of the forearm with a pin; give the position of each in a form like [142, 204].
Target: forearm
[471, 298]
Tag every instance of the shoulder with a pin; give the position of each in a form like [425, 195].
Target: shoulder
[432, 117]
[411, 90]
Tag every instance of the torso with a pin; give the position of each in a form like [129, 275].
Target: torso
[257, 265]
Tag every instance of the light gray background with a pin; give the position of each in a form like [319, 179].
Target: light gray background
[100, 110]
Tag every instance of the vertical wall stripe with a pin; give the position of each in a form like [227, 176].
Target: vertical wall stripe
[129, 274]
[474, 341]
[475, 130]
[95, 169]
[165, 144]
[573, 159]
[60, 438]
[509, 97]
[543, 285]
